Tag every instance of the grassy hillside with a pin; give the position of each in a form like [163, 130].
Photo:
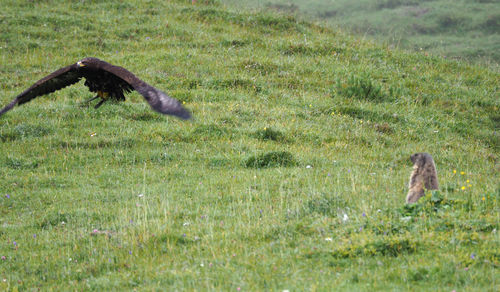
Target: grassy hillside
[467, 29]
[291, 176]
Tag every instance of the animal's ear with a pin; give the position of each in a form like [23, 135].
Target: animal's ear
[412, 158]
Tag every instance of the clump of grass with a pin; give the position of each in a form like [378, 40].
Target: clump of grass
[23, 131]
[271, 159]
[234, 83]
[433, 202]
[309, 50]
[53, 219]
[219, 162]
[162, 241]
[326, 205]
[263, 68]
[144, 117]
[269, 133]
[235, 43]
[361, 87]
[392, 246]
[383, 128]
[368, 114]
[20, 163]
[211, 131]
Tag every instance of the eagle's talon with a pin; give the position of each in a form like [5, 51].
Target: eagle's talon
[100, 103]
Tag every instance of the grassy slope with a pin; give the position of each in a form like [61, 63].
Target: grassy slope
[256, 84]
[453, 28]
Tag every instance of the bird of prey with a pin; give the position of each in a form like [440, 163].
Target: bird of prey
[108, 81]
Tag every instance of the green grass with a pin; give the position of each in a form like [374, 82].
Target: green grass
[466, 29]
[291, 176]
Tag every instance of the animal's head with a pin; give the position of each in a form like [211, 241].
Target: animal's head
[87, 61]
[420, 158]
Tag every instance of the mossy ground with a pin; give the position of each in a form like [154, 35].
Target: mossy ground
[123, 198]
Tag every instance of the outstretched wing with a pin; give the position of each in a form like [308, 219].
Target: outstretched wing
[50, 83]
[161, 102]
[157, 99]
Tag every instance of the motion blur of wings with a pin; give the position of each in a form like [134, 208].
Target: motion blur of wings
[107, 80]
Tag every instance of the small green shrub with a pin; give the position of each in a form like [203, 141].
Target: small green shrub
[16, 163]
[54, 219]
[433, 202]
[208, 131]
[387, 246]
[326, 205]
[144, 116]
[383, 128]
[234, 43]
[271, 159]
[366, 114]
[362, 87]
[167, 239]
[23, 131]
[269, 134]
[219, 162]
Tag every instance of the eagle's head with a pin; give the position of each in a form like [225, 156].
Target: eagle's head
[86, 61]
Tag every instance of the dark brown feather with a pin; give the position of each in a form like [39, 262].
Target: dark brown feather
[50, 83]
[56, 80]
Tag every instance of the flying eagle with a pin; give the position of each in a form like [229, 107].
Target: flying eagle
[108, 81]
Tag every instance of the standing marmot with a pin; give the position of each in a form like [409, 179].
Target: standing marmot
[424, 175]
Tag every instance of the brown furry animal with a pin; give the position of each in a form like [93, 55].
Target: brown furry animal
[424, 176]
